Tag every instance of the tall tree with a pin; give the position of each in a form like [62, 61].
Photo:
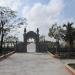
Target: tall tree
[8, 21]
[56, 32]
[69, 34]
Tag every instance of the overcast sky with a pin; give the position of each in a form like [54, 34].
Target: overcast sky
[42, 13]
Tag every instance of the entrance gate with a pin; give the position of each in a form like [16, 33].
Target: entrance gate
[33, 35]
[40, 46]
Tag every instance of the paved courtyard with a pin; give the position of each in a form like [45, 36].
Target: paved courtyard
[32, 64]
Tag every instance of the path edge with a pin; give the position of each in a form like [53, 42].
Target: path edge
[69, 69]
[6, 55]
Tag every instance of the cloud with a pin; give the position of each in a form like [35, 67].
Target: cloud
[38, 15]
[13, 4]
[41, 15]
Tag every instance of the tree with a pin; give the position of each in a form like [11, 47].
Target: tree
[11, 39]
[69, 34]
[8, 21]
[56, 32]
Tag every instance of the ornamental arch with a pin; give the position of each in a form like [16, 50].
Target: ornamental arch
[31, 34]
[21, 47]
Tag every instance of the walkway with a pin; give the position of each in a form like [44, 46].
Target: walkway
[32, 64]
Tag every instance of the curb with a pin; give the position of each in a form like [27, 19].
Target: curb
[71, 70]
[6, 55]
[50, 54]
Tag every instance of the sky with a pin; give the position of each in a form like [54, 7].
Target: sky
[42, 13]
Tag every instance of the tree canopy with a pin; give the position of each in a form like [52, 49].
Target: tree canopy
[70, 33]
[9, 20]
[58, 32]
[55, 31]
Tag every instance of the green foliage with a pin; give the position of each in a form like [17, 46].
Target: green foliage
[8, 21]
[59, 33]
[55, 31]
[70, 33]
[11, 39]
[50, 46]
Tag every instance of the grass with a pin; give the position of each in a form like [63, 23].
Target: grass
[72, 65]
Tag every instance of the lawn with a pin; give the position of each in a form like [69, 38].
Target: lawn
[72, 65]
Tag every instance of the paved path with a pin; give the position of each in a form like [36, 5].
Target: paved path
[32, 64]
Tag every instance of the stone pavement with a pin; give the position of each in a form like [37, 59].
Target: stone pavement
[32, 64]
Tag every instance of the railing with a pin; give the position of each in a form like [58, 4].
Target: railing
[63, 52]
[7, 47]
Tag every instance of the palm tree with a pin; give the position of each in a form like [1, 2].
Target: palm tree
[69, 35]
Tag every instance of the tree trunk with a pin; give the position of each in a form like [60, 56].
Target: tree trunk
[71, 44]
[2, 35]
[2, 40]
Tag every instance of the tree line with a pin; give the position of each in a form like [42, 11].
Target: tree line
[65, 32]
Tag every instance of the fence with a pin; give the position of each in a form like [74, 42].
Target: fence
[8, 47]
[64, 52]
